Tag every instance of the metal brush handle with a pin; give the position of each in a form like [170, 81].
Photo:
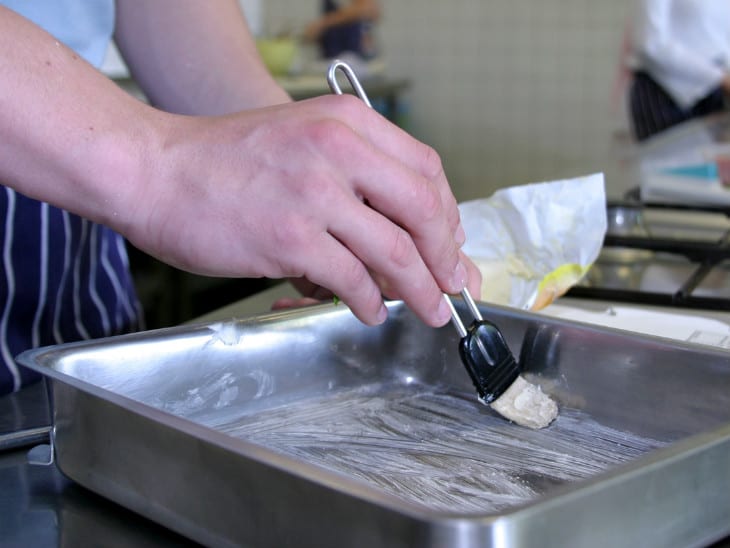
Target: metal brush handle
[360, 92]
[351, 77]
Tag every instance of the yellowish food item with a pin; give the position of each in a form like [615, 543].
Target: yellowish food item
[502, 277]
[556, 283]
[499, 275]
[496, 282]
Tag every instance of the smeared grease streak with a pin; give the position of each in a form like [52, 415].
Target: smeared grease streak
[438, 449]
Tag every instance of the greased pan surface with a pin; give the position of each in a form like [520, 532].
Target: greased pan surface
[308, 428]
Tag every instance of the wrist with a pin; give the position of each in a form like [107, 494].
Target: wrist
[166, 175]
[124, 172]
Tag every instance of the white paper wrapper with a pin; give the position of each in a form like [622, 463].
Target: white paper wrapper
[533, 242]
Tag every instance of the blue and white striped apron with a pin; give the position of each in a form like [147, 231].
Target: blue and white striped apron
[62, 278]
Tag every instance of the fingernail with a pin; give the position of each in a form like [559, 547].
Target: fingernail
[460, 235]
[443, 314]
[382, 314]
[458, 279]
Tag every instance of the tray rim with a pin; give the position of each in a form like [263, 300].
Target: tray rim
[673, 451]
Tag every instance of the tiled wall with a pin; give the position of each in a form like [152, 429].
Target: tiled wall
[508, 91]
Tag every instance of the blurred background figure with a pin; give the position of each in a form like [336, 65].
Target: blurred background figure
[345, 28]
[680, 58]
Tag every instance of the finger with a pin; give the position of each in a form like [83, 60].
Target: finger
[474, 283]
[339, 270]
[386, 137]
[289, 302]
[409, 200]
[414, 205]
[474, 276]
[308, 289]
[394, 259]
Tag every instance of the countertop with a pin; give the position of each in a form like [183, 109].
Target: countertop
[42, 508]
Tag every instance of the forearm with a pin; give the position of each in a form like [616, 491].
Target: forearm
[325, 189]
[69, 135]
[194, 57]
[358, 10]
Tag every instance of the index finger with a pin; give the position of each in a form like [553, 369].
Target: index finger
[407, 198]
[391, 140]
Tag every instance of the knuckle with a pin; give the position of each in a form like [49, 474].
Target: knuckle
[354, 279]
[318, 189]
[432, 165]
[295, 233]
[355, 275]
[334, 126]
[328, 131]
[347, 105]
[401, 249]
[447, 264]
[429, 203]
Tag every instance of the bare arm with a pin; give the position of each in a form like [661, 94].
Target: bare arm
[66, 131]
[194, 57]
[324, 189]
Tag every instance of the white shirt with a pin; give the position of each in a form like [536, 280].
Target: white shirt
[683, 44]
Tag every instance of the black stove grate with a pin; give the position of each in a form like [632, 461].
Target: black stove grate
[705, 256]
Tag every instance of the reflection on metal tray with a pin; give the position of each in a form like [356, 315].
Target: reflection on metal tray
[308, 428]
[24, 417]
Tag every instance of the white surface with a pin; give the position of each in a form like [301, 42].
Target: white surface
[671, 188]
[672, 325]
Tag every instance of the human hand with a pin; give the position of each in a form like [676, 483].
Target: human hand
[324, 189]
[308, 290]
[311, 294]
[292, 302]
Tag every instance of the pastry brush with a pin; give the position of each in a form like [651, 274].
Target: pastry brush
[482, 348]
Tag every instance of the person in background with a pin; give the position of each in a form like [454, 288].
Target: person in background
[680, 61]
[221, 174]
[346, 28]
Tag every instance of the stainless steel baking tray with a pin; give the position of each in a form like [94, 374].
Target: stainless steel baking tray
[307, 428]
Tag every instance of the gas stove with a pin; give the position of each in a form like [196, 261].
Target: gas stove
[668, 255]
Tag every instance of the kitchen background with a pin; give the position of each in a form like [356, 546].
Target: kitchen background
[507, 92]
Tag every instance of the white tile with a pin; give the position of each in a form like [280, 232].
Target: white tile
[507, 91]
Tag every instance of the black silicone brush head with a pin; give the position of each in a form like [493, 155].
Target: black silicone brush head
[489, 361]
